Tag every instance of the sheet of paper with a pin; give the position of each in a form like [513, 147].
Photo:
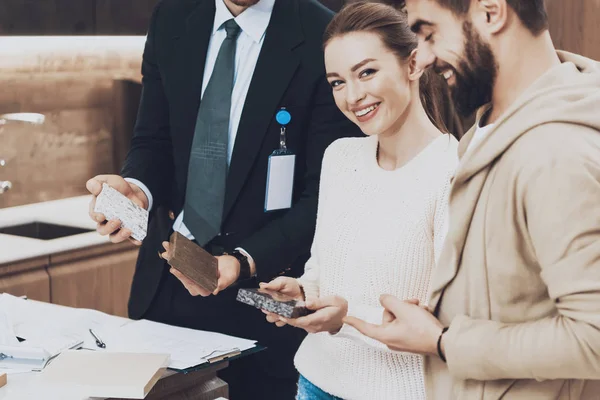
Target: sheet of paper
[53, 327]
[7, 333]
[14, 371]
[187, 347]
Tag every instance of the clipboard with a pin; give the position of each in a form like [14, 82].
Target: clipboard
[13, 357]
[233, 355]
[34, 358]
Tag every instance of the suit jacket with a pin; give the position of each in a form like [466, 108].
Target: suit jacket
[289, 73]
[518, 281]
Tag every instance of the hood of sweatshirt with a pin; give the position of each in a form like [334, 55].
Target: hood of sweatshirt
[567, 93]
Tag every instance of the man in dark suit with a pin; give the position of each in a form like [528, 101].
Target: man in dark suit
[265, 56]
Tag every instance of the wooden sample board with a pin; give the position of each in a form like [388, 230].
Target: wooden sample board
[193, 261]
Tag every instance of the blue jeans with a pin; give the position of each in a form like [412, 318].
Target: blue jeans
[308, 391]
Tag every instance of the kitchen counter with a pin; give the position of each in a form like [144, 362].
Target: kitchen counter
[69, 212]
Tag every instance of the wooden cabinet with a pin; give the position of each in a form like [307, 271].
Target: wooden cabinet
[47, 17]
[75, 17]
[97, 277]
[118, 17]
[26, 278]
[83, 17]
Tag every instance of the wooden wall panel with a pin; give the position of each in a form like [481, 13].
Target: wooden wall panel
[118, 17]
[575, 26]
[71, 81]
[54, 160]
[46, 17]
[54, 91]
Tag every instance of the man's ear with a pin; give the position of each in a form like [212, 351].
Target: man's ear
[490, 16]
[414, 72]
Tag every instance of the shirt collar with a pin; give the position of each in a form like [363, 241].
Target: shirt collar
[253, 21]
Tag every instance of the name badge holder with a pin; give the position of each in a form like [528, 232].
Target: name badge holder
[280, 173]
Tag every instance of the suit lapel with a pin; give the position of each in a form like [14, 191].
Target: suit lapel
[194, 50]
[274, 70]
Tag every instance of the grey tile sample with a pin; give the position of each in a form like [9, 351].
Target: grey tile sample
[274, 302]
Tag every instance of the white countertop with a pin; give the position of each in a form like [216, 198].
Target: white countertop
[69, 212]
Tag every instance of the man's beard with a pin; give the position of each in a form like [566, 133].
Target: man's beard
[476, 74]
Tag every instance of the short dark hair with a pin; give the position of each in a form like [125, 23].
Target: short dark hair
[532, 13]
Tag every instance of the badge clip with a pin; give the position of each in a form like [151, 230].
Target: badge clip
[283, 117]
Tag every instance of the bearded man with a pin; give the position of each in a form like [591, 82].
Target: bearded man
[514, 310]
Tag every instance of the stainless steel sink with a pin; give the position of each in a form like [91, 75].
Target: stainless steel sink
[43, 230]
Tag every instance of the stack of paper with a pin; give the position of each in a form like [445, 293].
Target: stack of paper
[32, 355]
[7, 333]
[104, 374]
[48, 329]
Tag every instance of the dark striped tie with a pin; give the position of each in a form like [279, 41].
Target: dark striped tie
[207, 170]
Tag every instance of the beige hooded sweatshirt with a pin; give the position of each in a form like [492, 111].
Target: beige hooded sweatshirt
[518, 282]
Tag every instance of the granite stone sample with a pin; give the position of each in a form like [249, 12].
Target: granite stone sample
[115, 205]
[193, 261]
[274, 302]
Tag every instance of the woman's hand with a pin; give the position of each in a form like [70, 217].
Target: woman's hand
[284, 285]
[406, 326]
[328, 316]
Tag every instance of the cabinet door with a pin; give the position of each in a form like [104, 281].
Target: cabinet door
[26, 278]
[46, 17]
[101, 282]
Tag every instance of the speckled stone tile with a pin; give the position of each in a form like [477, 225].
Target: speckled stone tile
[274, 302]
[114, 205]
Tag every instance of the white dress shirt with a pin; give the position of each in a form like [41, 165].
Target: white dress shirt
[253, 23]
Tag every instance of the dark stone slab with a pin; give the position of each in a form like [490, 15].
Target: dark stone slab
[274, 302]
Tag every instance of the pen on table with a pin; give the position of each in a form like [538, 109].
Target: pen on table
[99, 342]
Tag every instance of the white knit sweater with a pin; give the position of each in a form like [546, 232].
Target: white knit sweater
[377, 232]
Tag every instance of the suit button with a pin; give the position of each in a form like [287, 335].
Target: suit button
[171, 215]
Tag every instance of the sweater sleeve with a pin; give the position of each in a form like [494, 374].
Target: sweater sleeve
[563, 219]
[310, 279]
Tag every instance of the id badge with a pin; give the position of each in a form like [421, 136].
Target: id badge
[280, 172]
[280, 181]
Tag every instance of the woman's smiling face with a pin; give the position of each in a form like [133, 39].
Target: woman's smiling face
[370, 84]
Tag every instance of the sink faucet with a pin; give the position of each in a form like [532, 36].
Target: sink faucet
[4, 185]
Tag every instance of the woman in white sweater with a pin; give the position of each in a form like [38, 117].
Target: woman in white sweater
[382, 210]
